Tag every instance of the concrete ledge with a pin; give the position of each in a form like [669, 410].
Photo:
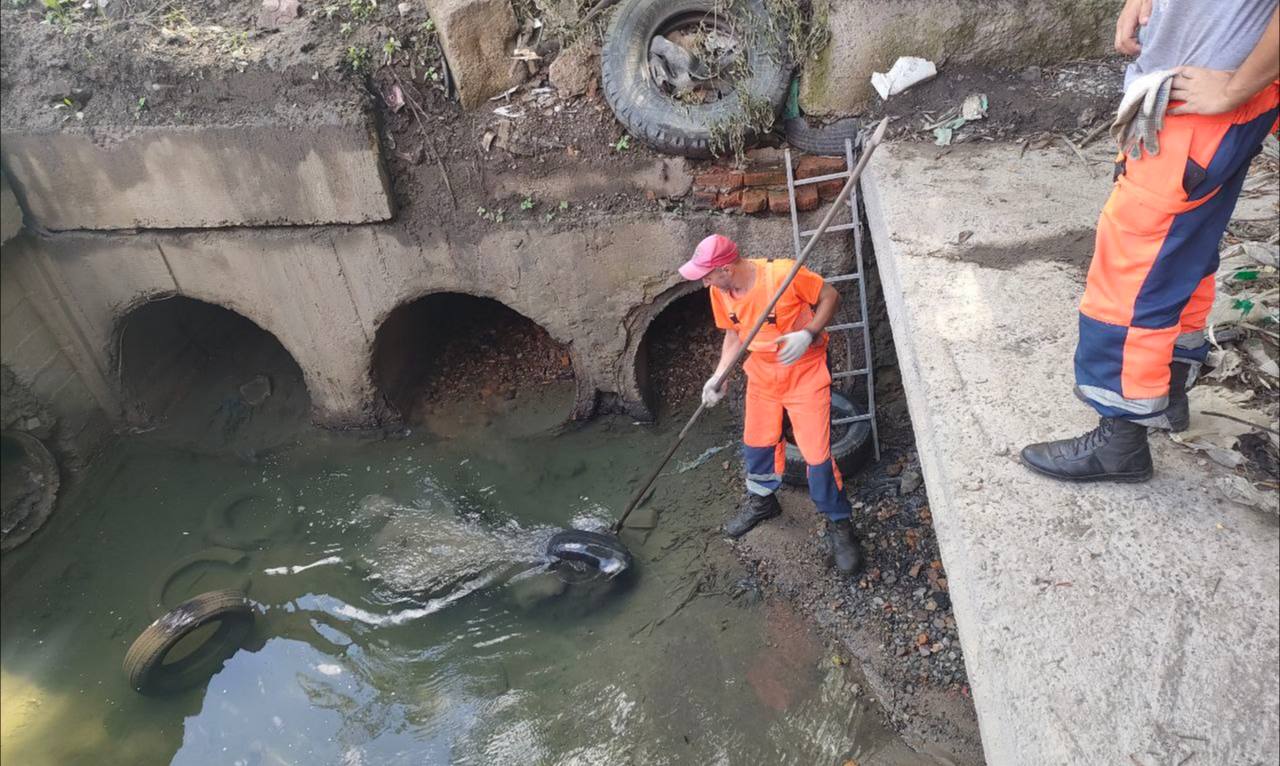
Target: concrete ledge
[1100, 624]
[200, 177]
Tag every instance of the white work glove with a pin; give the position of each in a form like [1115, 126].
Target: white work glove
[1140, 115]
[793, 345]
[713, 391]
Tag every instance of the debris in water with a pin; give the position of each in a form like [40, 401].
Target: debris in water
[302, 567]
[700, 459]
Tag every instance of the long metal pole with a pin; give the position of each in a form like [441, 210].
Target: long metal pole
[868, 148]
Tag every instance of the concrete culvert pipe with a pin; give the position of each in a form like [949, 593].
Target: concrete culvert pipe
[29, 483]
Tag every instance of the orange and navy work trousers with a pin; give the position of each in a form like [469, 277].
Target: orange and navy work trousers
[1151, 283]
[803, 391]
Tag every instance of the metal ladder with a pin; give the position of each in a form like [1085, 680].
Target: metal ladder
[799, 239]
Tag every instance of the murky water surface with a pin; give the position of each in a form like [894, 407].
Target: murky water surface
[403, 617]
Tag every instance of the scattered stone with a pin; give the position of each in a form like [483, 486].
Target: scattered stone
[910, 481]
[277, 13]
[477, 37]
[573, 70]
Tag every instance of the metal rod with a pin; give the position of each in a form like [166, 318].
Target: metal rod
[866, 319]
[820, 179]
[838, 227]
[791, 202]
[867, 151]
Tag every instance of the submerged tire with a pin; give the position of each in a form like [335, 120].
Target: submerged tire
[825, 141]
[145, 664]
[219, 518]
[601, 552]
[225, 557]
[654, 117]
[850, 444]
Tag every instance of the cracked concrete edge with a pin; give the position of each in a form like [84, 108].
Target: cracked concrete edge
[932, 465]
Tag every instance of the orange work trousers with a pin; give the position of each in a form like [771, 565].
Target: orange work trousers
[1151, 282]
[803, 391]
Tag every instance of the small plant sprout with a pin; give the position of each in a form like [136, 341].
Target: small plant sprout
[564, 205]
[390, 47]
[623, 143]
[357, 58]
[362, 10]
[527, 203]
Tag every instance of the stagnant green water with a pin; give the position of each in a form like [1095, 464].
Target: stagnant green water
[377, 643]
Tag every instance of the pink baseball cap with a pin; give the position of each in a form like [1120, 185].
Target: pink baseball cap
[711, 253]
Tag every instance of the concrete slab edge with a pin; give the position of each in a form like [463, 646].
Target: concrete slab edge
[937, 483]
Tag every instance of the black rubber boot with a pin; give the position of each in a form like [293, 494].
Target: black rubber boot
[1114, 451]
[844, 546]
[1179, 411]
[753, 510]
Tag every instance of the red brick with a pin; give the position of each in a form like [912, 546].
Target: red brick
[778, 202]
[729, 199]
[807, 198]
[755, 200]
[703, 199]
[719, 178]
[828, 190]
[808, 167]
[764, 177]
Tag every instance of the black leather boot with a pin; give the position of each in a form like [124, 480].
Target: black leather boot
[753, 510]
[1179, 411]
[1114, 451]
[844, 546]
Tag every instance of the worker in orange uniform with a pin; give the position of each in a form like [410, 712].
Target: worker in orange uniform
[1216, 63]
[786, 370]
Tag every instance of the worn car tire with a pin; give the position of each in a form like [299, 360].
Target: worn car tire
[851, 444]
[144, 663]
[826, 140]
[651, 115]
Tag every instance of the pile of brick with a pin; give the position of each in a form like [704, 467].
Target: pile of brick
[762, 187]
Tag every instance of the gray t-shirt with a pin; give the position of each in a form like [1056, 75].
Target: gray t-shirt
[1215, 34]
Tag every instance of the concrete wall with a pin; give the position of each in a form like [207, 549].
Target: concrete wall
[208, 176]
[869, 35]
[324, 292]
[51, 398]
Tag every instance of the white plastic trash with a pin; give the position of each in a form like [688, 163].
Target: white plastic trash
[906, 71]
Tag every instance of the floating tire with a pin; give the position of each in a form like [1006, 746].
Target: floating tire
[223, 557]
[655, 117]
[824, 141]
[850, 444]
[589, 551]
[221, 522]
[217, 622]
